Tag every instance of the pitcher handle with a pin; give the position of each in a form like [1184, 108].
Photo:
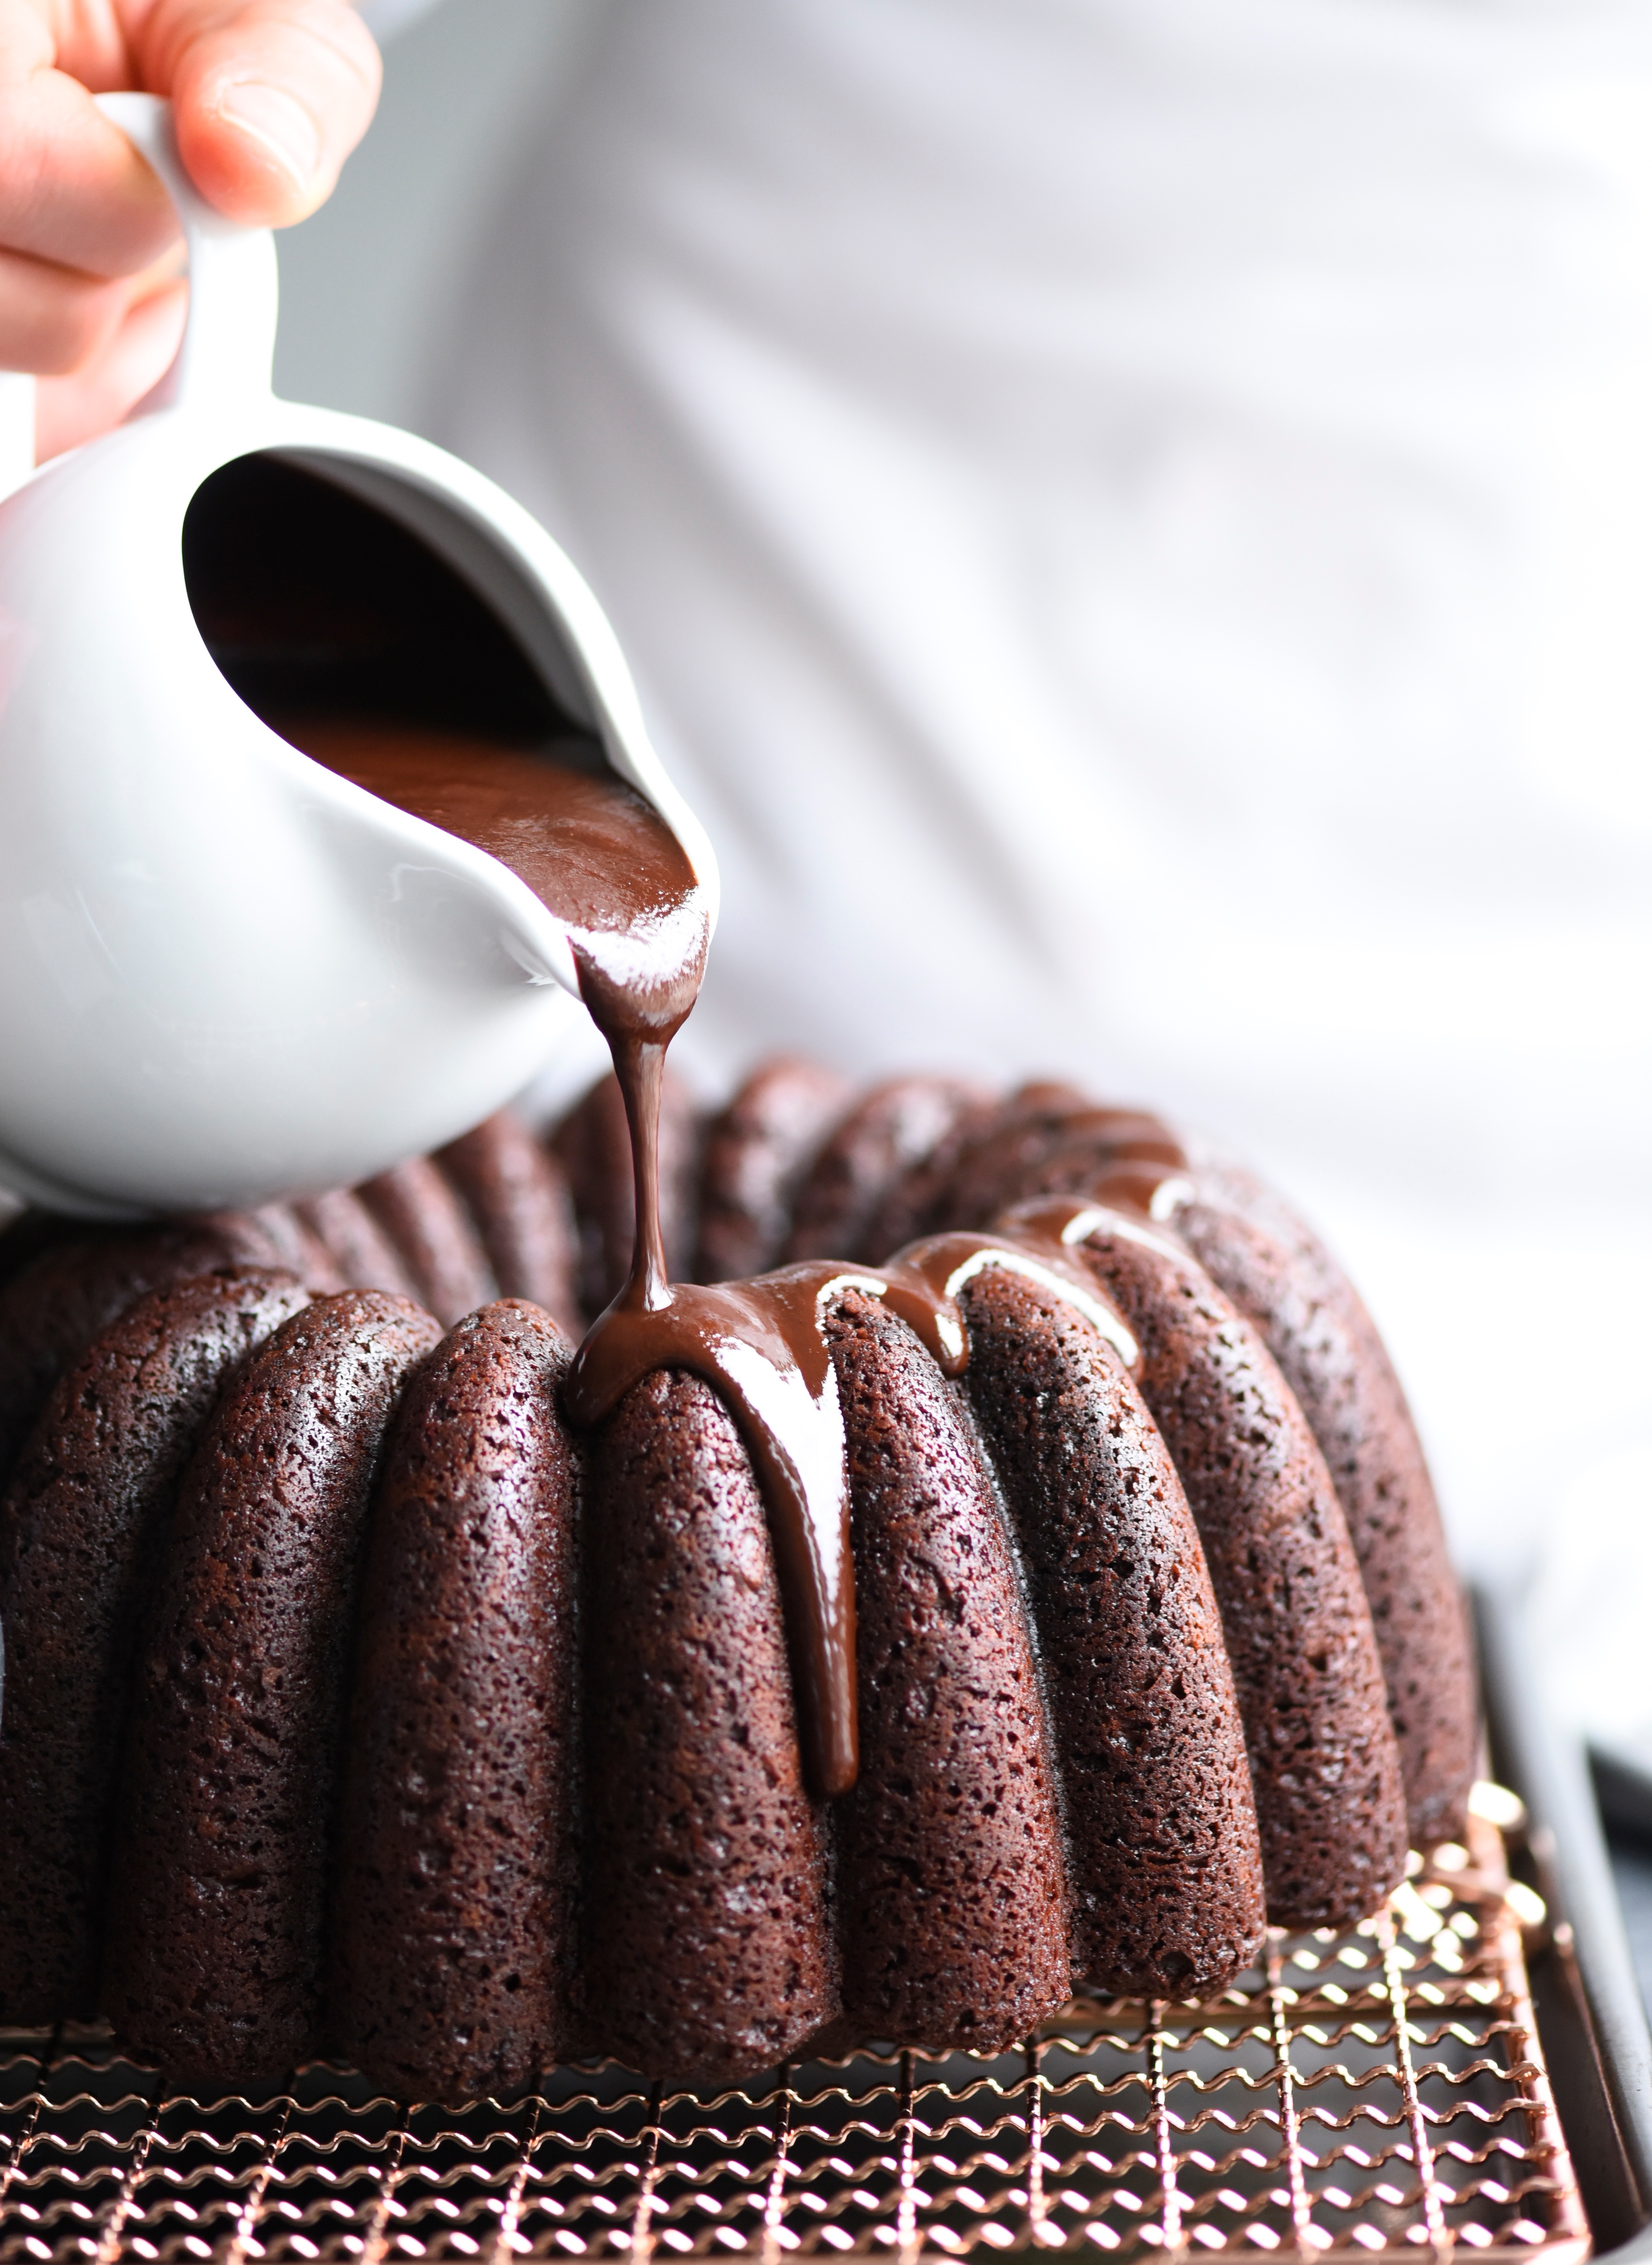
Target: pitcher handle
[229, 343]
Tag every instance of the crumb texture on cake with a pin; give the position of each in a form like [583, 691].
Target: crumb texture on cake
[356, 1702]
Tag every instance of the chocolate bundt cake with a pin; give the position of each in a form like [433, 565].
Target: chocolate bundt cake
[462, 1703]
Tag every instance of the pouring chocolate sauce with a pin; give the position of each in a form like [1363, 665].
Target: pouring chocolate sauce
[416, 693]
[604, 862]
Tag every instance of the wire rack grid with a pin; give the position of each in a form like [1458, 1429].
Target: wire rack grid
[1378, 2090]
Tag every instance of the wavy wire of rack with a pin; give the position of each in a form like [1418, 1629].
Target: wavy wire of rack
[1381, 2089]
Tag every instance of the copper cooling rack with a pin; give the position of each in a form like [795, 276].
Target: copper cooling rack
[1381, 2089]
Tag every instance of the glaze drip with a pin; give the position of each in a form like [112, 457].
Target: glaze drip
[763, 1344]
[1157, 1191]
[921, 1284]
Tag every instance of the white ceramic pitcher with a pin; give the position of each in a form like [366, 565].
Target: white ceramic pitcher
[226, 973]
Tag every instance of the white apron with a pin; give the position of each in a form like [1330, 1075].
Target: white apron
[1133, 520]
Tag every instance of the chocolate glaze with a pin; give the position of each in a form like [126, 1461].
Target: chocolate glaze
[765, 1346]
[603, 860]
[922, 1283]
[762, 1345]
[596, 855]
[593, 1145]
[588, 846]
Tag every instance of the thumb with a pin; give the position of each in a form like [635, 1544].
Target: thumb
[269, 98]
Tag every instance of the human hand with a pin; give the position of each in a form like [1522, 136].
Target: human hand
[269, 98]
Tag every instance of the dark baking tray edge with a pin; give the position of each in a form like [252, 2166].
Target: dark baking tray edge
[1585, 1986]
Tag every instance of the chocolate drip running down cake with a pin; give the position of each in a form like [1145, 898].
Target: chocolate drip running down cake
[484, 1739]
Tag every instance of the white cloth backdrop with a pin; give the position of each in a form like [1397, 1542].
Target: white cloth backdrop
[1133, 519]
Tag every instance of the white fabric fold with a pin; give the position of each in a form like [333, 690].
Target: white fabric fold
[1133, 519]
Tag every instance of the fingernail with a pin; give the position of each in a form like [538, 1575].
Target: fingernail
[280, 124]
